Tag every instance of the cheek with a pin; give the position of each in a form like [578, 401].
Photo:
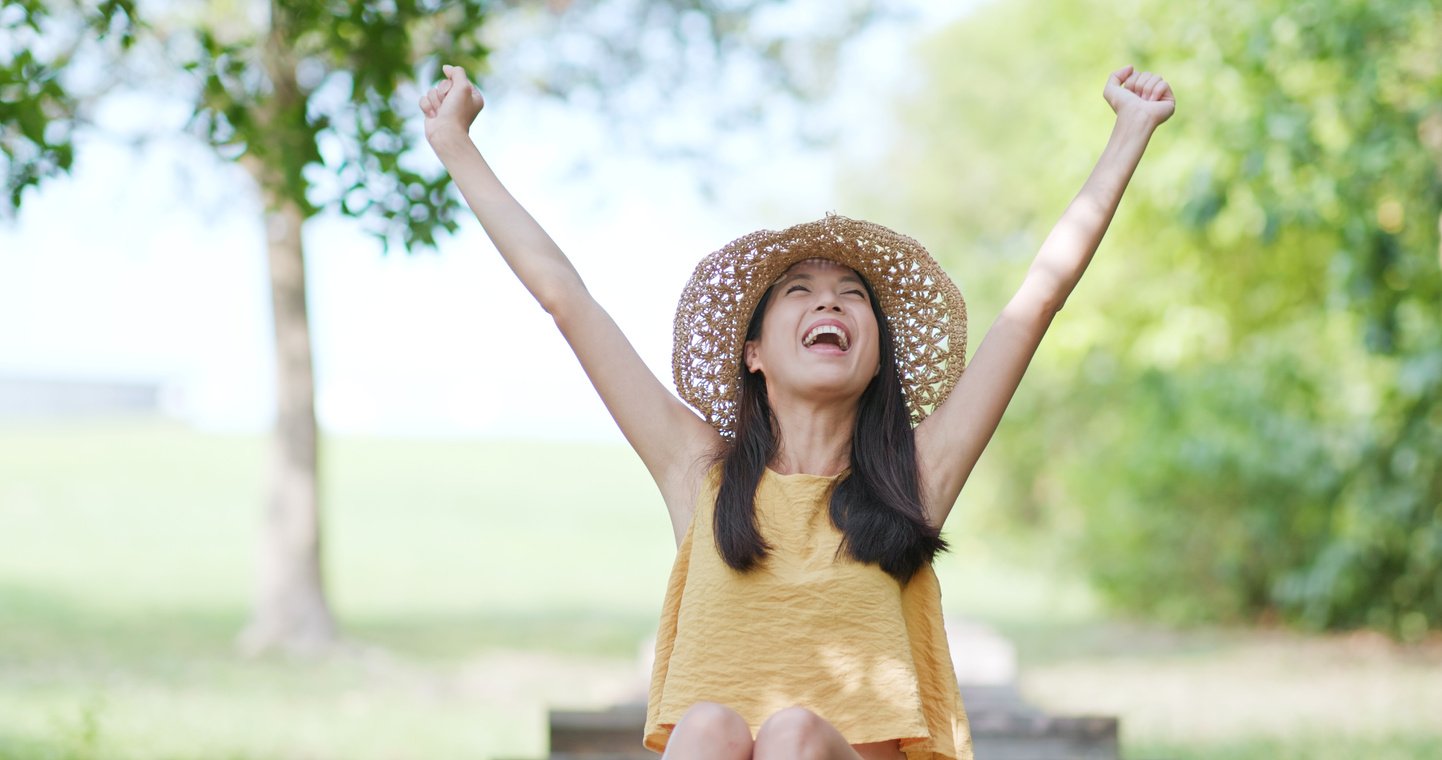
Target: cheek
[772, 331]
[873, 335]
[766, 348]
[874, 354]
[777, 328]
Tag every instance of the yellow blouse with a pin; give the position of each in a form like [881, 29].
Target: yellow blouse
[810, 628]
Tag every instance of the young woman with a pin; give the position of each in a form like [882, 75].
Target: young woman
[832, 430]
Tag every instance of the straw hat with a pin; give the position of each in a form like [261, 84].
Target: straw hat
[923, 307]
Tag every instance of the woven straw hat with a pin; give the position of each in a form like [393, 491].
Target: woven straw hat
[923, 307]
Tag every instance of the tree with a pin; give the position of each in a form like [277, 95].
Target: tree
[268, 95]
[1342, 172]
[307, 97]
[1234, 416]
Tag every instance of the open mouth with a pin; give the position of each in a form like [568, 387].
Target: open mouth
[827, 336]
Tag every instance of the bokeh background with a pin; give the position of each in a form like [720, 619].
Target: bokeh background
[1214, 509]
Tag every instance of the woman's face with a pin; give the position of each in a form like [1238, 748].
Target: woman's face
[818, 334]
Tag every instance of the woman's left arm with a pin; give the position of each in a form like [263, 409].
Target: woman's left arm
[951, 439]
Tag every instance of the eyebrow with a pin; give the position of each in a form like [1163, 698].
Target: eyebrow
[804, 276]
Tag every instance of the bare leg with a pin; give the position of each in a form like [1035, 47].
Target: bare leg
[799, 734]
[709, 731]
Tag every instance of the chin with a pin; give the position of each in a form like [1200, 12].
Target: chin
[842, 389]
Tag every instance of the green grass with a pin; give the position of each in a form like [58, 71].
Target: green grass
[478, 582]
[1320, 744]
[126, 568]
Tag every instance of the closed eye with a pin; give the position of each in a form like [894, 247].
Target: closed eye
[797, 287]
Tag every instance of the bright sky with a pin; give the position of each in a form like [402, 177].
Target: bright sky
[148, 265]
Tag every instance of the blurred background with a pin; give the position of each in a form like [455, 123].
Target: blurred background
[292, 466]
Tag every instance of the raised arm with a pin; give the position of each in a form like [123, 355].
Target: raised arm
[668, 436]
[950, 441]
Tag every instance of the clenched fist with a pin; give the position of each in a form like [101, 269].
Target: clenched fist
[451, 105]
[1142, 95]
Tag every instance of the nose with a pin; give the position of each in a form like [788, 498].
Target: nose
[827, 301]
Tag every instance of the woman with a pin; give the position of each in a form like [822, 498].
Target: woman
[802, 618]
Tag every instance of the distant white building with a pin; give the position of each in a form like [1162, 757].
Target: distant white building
[41, 398]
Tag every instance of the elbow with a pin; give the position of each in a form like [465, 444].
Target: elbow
[1043, 294]
[567, 307]
[560, 308]
[553, 302]
[560, 293]
[1031, 318]
[1052, 304]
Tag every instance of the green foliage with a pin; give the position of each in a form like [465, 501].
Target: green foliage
[36, 110]
[1209, 489]
[1237, 414]
[309, 98]
[1342, 142]
[313, 100]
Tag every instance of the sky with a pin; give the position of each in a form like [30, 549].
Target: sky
[147, 265]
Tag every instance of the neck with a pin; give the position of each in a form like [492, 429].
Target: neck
[815, 437]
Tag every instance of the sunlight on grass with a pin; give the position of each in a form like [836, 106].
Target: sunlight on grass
[478, 583]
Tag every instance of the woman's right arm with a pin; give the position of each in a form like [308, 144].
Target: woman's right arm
[670, 438]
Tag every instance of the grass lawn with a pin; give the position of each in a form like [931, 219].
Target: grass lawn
[481, 582]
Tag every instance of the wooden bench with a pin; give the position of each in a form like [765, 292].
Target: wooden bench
[1003, 727]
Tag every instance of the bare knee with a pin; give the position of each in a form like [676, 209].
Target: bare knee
[715, 717]
[795, 732]
[710, 730]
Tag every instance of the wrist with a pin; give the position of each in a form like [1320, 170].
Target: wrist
[1135, 122]
[448, 140]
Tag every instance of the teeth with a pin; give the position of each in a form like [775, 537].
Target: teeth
[827, 330]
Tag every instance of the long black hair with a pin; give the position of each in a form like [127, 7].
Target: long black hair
[877, 506]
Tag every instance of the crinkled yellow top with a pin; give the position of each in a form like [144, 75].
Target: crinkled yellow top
[809, 627]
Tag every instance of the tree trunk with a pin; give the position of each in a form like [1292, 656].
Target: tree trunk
[291, 613]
